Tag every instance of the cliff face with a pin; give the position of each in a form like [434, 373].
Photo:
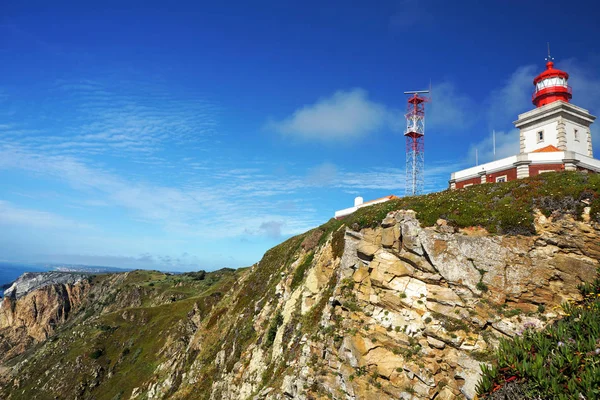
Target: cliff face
[34, 307]
[408, 312]
[396, 311]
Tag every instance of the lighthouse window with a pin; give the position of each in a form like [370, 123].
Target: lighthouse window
[576, 134]
[540, 136]
[501, 178]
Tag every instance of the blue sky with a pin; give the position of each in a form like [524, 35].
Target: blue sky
[188, 135]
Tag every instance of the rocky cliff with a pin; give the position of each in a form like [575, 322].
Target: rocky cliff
[367, 308]
[34, 306]
[409, 312]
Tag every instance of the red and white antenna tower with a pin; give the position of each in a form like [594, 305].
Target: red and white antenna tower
[415, 142]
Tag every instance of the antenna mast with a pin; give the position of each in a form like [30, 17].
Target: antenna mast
[415, 143]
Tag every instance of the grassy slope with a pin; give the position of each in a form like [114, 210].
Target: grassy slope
[128, 347]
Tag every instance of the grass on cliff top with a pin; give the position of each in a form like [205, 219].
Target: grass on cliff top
[501, 208]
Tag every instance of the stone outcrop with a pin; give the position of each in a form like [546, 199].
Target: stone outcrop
[31, 281]
[34, 306]
[425, 308]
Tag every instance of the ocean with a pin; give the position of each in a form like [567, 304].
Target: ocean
[9, 272]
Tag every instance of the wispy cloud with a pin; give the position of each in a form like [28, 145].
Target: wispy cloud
[583, 78]
[450, 111]
[409, 14]
[11, 215]
[513, 97]
[344, 115]
[183, 262]
[131, 121]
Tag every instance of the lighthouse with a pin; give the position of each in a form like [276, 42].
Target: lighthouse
[555, 122]
[553, 136]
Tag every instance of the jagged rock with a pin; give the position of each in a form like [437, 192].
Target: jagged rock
[30, 312]
[30, 281]
[433, 342]
[367, 250]
[443, 295]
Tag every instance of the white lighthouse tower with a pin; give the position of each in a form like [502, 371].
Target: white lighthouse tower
[554, 136]
[555, 121]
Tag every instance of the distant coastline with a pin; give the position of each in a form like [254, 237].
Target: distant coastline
[10, 271]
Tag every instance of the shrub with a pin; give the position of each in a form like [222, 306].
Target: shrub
[273, 327]
[541, 308]
[301, 270]
[351, 306]
[338, 242]
[482, 287]
[94, 355]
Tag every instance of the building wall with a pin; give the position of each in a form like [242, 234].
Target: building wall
[549, 129]
[580, 146]
[511, 175]
[472, 181]
[536, 168]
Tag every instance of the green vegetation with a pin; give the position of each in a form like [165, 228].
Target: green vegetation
[112, 335]
[451, 324]
[337, 242]
[560, 362]
[94, 355]
[310, 320]
[503, 208]
[301, 270]
[482, 286]
[272, 332]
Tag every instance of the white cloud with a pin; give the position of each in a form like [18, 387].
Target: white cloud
[322, 175]
[344, 115]
[584, 80]
[410, 13]
[120, 120]
[181, 263]
[272, 229]
[11, 215]
[449, 110]
[512, 98]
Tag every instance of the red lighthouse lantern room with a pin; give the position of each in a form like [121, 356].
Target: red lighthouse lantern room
[551, 85]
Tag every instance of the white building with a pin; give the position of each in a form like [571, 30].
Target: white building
[359, 203]
[554, 136]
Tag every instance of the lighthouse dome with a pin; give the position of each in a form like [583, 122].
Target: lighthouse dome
[550, 86]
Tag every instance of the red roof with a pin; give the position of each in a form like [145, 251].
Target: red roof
[550, 72]
[390, 197]
[547, 149]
